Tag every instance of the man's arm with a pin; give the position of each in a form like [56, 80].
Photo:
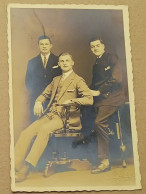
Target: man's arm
[38, 108]
[28, 77]
[95, 92]
[115, 82]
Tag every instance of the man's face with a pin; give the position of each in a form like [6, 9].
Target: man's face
[45, 46]
[66, 63]
[97, 48]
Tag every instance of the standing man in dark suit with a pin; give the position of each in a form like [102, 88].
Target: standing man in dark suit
[66, 89]
[108, 95]
[40, 71]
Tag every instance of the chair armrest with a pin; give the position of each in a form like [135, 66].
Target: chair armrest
[67, 113]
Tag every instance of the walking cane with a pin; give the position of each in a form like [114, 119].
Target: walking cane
[120, 137]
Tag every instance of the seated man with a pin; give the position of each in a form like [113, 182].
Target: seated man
[66, 89]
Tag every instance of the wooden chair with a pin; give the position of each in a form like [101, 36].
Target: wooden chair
[65, 132]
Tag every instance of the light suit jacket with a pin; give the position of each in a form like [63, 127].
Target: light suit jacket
[74, 88]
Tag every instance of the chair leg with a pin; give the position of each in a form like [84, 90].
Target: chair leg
[49, 169]
[124, 165]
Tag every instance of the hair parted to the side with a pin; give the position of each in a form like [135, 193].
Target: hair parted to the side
[66, 53]
[44, 37]
[97, 38]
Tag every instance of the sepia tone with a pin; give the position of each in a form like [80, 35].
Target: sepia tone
[67, 32]
[140, 99]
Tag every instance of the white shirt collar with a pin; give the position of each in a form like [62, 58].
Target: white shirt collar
[47, 56]
[66, 74]
[100, 56]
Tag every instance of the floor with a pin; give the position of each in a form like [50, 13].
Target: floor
[117, 177]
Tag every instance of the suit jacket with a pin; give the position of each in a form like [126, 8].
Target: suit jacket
[38, 77]
[74, 88]
[107, 78]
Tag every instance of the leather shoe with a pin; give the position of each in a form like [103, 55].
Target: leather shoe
[101, 168]
[22, 173]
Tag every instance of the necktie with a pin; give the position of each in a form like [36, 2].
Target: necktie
[45, 61]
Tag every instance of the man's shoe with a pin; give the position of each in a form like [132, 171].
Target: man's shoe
[22, 174]
[101, 168]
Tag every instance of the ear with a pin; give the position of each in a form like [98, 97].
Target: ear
[51, 45]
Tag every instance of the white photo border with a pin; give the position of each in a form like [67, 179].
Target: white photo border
[130, 89]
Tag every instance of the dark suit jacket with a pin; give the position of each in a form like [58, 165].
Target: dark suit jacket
[107, 78]
[37, 77]
[74, 88]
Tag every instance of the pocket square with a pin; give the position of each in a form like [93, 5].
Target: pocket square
[107, 68]
[71, 90]
[54, 67]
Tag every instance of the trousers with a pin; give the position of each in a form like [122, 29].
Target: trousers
[102, 122]
[30, 151]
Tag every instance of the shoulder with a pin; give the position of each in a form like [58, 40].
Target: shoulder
[56, 78]
[110, 58]
[53, 56]
[111, 55]
[78, 78]
[34, 59]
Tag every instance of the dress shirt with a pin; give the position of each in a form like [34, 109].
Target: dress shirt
[43, 59]
[65, 75]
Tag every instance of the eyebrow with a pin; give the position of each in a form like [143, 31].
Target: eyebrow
[64, 59]
[44, 43]
[95, 45]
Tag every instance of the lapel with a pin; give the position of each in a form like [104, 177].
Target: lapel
[40, 59]
[66, 84]
[49, 61]
[40, 62]
[56, 82]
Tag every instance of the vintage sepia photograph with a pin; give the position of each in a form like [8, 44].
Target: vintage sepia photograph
[72, 113]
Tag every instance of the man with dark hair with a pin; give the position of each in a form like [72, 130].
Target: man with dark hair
[108, 95]
[40, 71]
[66, 89]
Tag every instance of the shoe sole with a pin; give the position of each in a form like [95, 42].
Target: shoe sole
[101, 171]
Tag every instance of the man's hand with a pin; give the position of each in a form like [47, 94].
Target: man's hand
[38, 109]
[68, 102]
[95, 92]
